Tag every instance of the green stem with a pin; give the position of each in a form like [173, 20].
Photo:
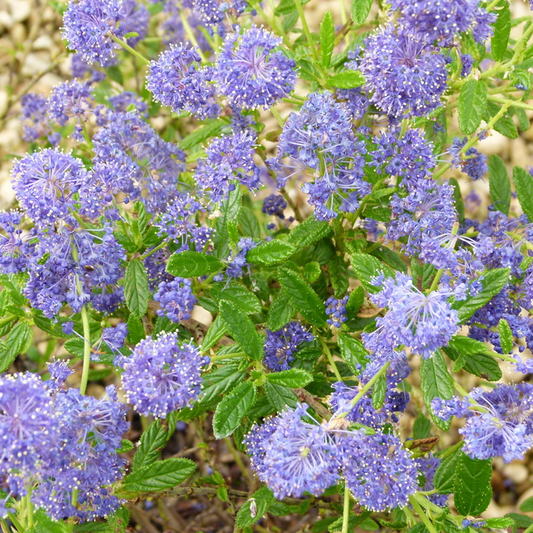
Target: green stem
[307, 32]
[346, 510]
[420, 512]
[330, 359]
[153, 250]
[474, 139]
[277, 116]
[514, 103]
[29, 508]
[366, 388]
[529, 529]
[190, 34]
[86, 350]
[132, 51]
[440, 272]
[216, 358]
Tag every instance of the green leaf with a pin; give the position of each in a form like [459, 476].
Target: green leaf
[472, 485]
[502, 31]
[44, 524]
[355, 301]
[458, 199]
[279, 312]
[493, 282]
[436, 382]
[219, 381]
[499, 523]
[249, 224]
[367, 268]
[136, 287]
[302, 297]
[472, 103]
[500, 184]
[327, 38]
[506, 336]
[353, 352]
[215, 332]
[200, 135]
[444, 479]
[232, 408]
[270, 253]
[475, 357]
[17, 341]
[227, 225]
[152, 441]
[312, 271]
[338, 273]
[237, 294]
[135, 329]
[379, 392]
[293, 378]
[241, 329]
[421, 427]
[279, 396]
[527, 505]
[359, 10]
[118, 522]
[308, 232]
[523, 182]
[505, 125]
[348, 79]
[125, 446]
[161, 475]
[255, 508]
[193, 264]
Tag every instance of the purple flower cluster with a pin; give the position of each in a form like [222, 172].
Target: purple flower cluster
[70, 99]
[176, 299]
[162, 375]
[281, 345]
[250, 72]
[229, 161]
[472, 163]
[294, 456]
[336, 311]
[421, 322]
[499, 423]
[405, 76]
[176, 80]
[320, 139]
[62, 441]
[274, 205]
[90, 25]
[132, 159]
[35, 120]
[441, 22]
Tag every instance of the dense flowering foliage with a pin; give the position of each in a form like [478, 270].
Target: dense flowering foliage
[236, 228]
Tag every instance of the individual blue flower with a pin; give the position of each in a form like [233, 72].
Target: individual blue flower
[293, 456]
[336, 311]
[281, 345]
[441, 22]
[89, 25]
[176, 299]
[404, 75]
[471, 162]
[177, 80]
[45, 183]
[421, 322]
[250, 72]
[162, 375]
[70, 99]
[499, 422]
[379, 471]
[229, 158]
